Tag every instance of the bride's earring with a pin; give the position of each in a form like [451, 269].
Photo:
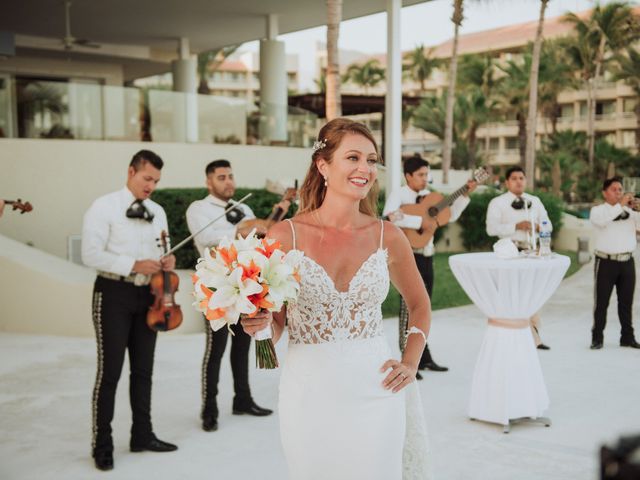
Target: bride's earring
[326, 184]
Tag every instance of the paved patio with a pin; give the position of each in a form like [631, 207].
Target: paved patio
[46, 383]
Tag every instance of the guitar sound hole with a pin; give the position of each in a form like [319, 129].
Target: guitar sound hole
[433, 211]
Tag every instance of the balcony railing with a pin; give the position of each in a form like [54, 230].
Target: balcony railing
[96, 112]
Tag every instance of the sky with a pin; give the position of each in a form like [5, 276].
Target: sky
[426, 23]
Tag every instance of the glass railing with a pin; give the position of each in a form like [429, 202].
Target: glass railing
[95, 112]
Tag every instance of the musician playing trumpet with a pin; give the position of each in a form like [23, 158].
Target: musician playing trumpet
[416, 174]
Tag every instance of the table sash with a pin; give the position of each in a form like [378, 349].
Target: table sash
[515, 323]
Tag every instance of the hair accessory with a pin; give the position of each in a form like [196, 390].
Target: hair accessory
[319, 145]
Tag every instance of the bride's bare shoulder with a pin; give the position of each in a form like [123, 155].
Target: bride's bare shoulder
[281, 232]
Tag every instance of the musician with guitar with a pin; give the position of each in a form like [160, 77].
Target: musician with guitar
[409, 208]
[120, 239]
[239, 221]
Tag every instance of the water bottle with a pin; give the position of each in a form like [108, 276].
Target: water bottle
[545, 239]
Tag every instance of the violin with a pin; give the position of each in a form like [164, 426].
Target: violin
[18, 205]
[277, 214]
[164, 314]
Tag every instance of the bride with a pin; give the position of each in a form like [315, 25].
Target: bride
[348, 410]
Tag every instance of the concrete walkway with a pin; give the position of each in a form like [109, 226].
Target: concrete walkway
[46, 383]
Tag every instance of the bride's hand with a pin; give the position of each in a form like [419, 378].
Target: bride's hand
[254, 324]
[400, 375]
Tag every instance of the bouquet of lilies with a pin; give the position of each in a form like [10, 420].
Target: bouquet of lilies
[243, 277]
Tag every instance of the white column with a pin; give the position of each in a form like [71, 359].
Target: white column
[273, 86]
[393, 101]
[184, 71]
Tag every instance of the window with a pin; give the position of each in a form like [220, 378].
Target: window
[566, 111]
[629, 104]
[628, 138]
[494, 143]
[605, 108]
[512, 143]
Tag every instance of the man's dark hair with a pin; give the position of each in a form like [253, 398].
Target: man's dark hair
[517, 168]
[143, 156]
[217, 164]
[607, 183]
[411, 164]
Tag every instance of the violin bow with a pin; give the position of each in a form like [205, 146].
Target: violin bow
[229, 208]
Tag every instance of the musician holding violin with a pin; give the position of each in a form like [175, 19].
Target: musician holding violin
[238, 221]
[121, 238]
[407, 208]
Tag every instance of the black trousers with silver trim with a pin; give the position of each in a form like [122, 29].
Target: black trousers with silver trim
[119, 317]
[239, 355]
[609, 274]
[425, 267]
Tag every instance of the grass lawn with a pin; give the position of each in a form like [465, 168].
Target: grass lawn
[447, 292]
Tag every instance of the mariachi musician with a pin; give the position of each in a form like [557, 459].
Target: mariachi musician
[416, 174]
[120, 235]
[238, 221]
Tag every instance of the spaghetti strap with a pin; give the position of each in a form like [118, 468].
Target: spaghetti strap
[381, 231]
[293, 232]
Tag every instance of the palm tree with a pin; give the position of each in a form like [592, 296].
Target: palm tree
[533, 100]
[332, 98]
[458, 16]
[555, 75]
[420, 64]
[477, 71]
[562, 161]
[628, 70]
[208, 62]
[321, 82]
[368, 74]
[608, 30]
[513, 97]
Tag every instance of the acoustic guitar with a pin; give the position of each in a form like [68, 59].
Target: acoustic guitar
[435, 211]
[18, 204]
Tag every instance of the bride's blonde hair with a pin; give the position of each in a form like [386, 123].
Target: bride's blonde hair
[329, 138]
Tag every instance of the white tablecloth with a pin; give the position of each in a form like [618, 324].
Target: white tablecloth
[507, 381]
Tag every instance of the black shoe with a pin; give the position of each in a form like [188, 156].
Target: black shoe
[596, 345]
[418, 376]
[103, 461]
[250, 408]
[153, 445]
[632, 344]
[542, 346]
[209, 424]
[435, 367]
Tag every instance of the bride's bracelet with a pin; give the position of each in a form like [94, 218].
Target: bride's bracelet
[414, 330]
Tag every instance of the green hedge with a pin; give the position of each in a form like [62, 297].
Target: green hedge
[175, 202]
[473, 220]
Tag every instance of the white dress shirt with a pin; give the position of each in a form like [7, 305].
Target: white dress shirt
[111, 242]
[614, 237]
[202, 212]
[405, 195]
[502, 217]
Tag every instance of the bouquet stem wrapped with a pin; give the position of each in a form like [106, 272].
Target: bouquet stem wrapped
[243, 277]
[265, 350]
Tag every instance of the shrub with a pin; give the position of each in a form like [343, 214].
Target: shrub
[473, 220]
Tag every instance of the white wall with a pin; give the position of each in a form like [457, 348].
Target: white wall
[62, 177]
[41, 293]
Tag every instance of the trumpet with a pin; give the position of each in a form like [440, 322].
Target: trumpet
[633, 201]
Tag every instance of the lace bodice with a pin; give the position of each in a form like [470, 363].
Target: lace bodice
[321, 313]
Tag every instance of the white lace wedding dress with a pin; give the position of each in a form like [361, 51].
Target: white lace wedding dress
[337, 422]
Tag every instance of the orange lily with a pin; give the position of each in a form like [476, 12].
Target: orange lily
[229, 255]
[252, 271]
[260, 301]
[268, 248]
